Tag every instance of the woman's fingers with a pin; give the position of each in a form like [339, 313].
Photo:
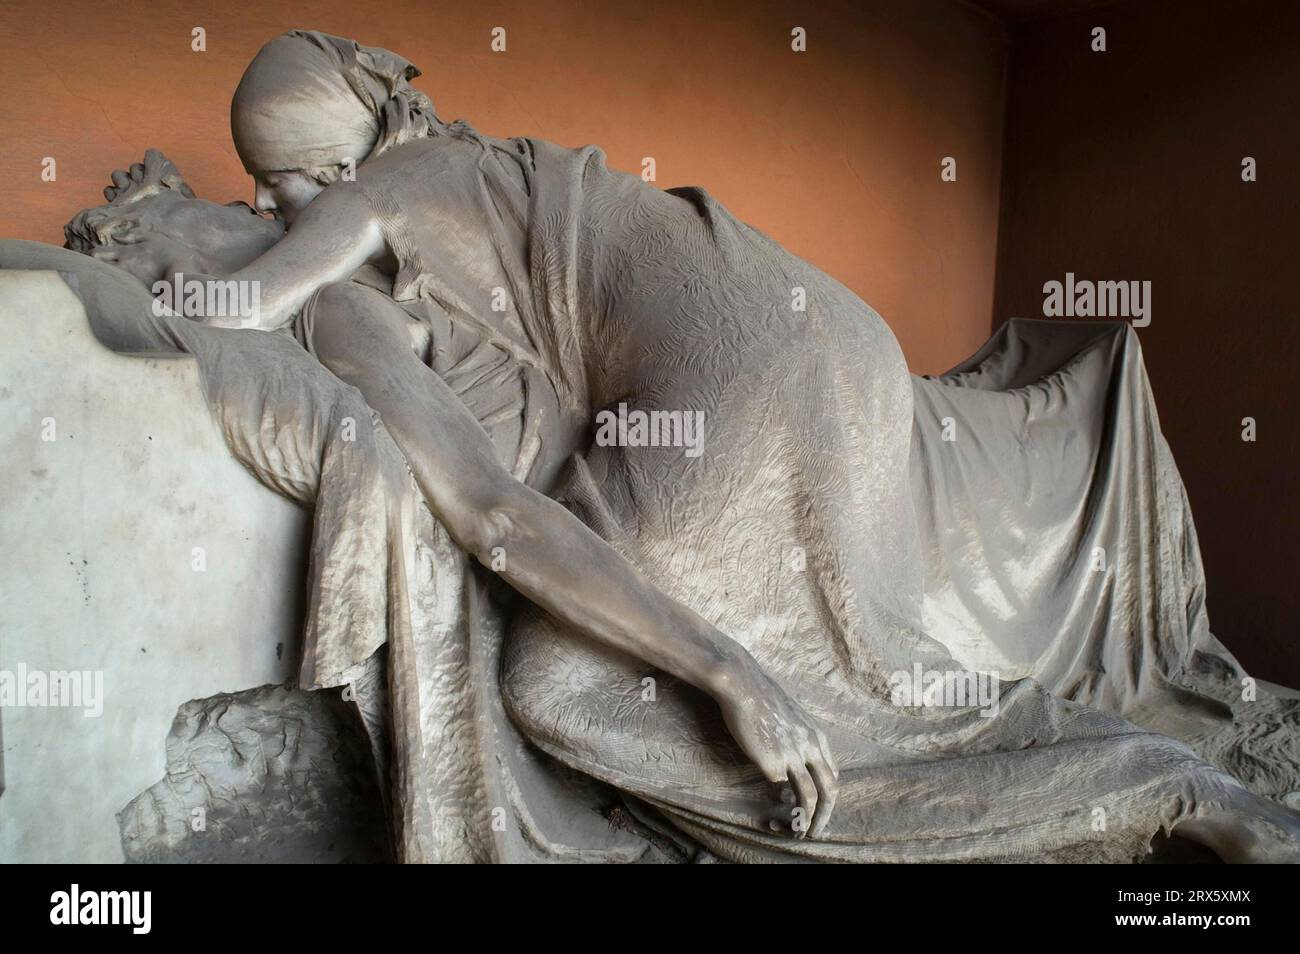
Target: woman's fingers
[828, 789]
[806, 790]
[120, 179]
[793, 754]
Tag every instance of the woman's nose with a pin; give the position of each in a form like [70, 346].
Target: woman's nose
[263, 200]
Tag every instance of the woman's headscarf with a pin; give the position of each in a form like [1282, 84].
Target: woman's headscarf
[311, 100]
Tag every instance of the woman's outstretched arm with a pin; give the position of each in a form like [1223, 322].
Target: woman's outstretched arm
[334, 236]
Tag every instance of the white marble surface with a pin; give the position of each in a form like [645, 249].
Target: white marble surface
[98, 530]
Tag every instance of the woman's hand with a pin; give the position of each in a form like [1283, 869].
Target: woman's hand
[784, 742]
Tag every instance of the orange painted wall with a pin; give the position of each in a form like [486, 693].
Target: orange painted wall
[835, 152]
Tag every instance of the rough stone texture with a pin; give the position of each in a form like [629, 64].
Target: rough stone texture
[268, 775]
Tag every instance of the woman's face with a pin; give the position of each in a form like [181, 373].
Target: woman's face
[284, 194]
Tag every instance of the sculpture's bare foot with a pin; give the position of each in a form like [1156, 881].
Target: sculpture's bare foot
[1250, 830]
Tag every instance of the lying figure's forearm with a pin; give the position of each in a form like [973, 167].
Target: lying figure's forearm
[559, 563]
[552, 558]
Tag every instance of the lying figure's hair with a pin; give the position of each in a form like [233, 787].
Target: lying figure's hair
[94, 227]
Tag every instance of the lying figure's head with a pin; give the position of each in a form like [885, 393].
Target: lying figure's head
[311, 105]
[152, 200]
